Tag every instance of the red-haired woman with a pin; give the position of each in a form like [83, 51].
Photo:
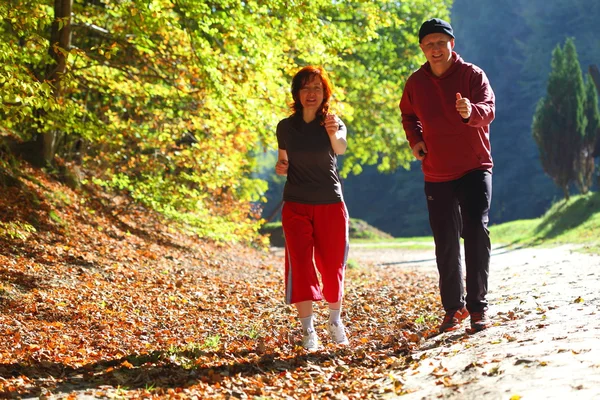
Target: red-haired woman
[314, 215]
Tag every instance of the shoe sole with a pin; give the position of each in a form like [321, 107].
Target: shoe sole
[472, 330]
[452, 329]
[460, 318]
[344, 343]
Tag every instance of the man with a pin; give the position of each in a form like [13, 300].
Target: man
[447, 107]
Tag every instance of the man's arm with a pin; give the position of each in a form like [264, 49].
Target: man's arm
[410, 122]
[482, 101]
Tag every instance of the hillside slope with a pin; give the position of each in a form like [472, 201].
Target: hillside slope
[99, 297]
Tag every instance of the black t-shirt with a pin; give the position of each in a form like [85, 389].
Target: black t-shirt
[312, 176]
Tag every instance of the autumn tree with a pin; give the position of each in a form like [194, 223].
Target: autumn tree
[58, 49]
[559, 121]
[168, 102]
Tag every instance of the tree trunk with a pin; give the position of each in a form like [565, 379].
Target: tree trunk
[60, 44]
[566, 192]
[595, 74]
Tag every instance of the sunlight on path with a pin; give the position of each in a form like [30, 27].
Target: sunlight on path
[545, 344]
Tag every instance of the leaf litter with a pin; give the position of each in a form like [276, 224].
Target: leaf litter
[105, 299]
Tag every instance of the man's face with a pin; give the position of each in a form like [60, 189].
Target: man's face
[437, 48]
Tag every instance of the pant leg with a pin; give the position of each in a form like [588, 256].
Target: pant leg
[331, 225]
[301, 281]
[475, 195]
[446, 226]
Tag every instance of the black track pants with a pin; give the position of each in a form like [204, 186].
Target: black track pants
[460, 208]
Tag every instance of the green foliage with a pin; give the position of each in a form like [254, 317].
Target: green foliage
[586, 162]
[212, 342]
[56, 218]
[23, 52]
[548, 24]
[371, 79]
[169, 102]
[59, 199]
[425, 317]
[15, 230]
[559, 122]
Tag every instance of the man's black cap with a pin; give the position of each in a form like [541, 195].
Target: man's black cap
[435, 25]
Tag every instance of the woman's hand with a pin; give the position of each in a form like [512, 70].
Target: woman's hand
[331, 124]
[281, 167]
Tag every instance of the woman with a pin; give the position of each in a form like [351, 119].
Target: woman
[314, 215]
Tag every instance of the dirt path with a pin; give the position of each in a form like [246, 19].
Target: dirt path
[546, 340]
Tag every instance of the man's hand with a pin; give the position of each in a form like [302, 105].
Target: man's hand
[419, 151]
[463, 106]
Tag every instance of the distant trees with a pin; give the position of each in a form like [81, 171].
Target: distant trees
[591, 138]
[594, 72]
[518, 66]
[566, 122]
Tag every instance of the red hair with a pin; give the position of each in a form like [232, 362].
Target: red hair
[301, 78]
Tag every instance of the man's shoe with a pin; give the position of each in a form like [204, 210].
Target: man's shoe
[453, 320]
[479, 321]
[337, 333]
[310, 341]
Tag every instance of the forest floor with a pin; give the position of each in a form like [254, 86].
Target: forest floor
[104, 300]
[101, 299]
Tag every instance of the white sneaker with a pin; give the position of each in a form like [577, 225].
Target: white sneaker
[310, 341]
[338, 333]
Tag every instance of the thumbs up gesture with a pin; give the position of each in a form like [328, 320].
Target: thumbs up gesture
[463, 106]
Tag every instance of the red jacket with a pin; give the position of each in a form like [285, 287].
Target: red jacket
[454, 146]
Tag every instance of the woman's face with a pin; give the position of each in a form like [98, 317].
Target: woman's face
[311, 94]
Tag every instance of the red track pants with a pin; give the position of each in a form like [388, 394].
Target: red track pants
[315, 236]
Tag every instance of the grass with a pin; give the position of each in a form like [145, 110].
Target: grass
[358, 229]
[411, 243]
[576, 221]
